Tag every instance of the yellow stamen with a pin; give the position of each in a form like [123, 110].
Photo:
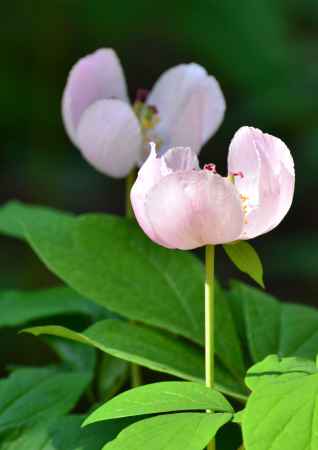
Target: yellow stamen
[148, 119]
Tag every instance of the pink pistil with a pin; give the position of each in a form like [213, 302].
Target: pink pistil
[237, 174]
[210, 167]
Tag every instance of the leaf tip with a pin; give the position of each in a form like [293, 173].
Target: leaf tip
[86, 422]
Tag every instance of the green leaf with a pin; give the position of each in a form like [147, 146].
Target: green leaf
[68, 434]
[32, 438]
[113, 374]
[31, 395]
[245, 258]
[162, 397]
[273, 369]
[299, 335]
[226, 383]
[74, 355]
[138, 344]
[238, 416]
[14, 215]
[19, 307]
[192, 431]
[61, 434]
[281, 412]
[272, 327]
[261, 314]
[227, 343]
[84, 253]
[147, 347]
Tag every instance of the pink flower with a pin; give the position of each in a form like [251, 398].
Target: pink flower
[185, 107]
[180, 206]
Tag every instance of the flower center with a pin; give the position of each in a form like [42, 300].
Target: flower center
[246, 207]
[148, 118]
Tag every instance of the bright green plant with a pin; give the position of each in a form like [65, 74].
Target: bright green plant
[36, 404]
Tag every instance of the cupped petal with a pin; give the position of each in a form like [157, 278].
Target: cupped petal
[109, 137]
[244, 157]
[190, 209]
[190, 105]
[97, 76]
[153, 170]
[267, 187]
[148, 175]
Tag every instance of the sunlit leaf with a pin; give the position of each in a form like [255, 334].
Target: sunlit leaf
[162, 397]
[192, 431]
[282, 410]
[150, 348]
[245, 258]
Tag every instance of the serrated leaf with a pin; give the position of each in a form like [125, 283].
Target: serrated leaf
[161, 397]
[148, 347]
[245, 258]
[31, 395]
[192, 431]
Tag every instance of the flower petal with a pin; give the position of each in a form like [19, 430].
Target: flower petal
[195, 208]
[152, 171]
[190, 105]
[244, 157]
[98, 75]
[148, 175]
[178, 159]
[269, 178]
[109, 137]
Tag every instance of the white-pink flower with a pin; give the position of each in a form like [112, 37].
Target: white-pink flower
[180, 206]
[185, 107]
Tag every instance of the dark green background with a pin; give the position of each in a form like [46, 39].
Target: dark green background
[263, 52]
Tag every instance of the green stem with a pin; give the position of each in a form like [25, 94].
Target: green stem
[209, 322]
[135, 375]
[135, 370]
[130, 179]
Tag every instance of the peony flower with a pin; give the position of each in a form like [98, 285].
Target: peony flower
[185, 106]
[178, 205]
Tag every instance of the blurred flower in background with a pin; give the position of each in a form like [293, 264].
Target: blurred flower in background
[186, 106]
